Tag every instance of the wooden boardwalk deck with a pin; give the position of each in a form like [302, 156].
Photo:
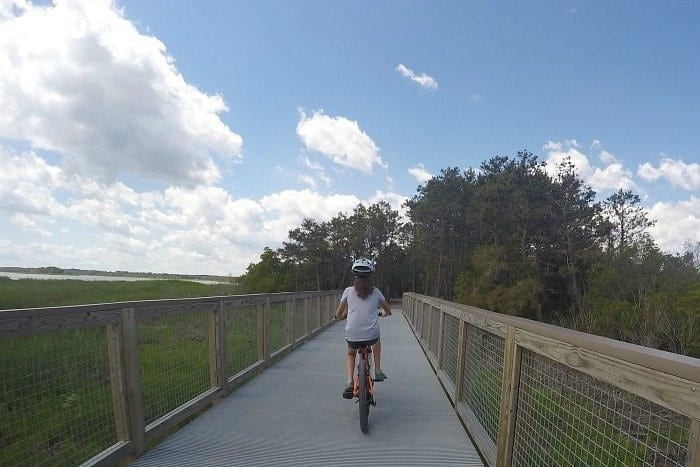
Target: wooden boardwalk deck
[293, 414]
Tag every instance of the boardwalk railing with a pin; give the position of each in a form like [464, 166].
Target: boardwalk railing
[95, 384]
[533, 394]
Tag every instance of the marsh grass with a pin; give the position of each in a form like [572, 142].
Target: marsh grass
[55, 393]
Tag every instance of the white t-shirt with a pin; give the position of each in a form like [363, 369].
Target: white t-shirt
[363, 321]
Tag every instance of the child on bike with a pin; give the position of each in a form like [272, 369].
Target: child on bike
[359, 304]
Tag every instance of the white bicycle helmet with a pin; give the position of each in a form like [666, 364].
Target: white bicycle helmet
[363, 267]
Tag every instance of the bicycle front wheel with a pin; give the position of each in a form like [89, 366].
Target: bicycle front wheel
[364, 403]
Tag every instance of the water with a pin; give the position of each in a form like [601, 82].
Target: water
[20, 275]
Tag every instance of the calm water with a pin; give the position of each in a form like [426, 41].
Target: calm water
[19, 275]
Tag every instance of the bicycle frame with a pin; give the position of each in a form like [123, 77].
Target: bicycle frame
[363, 353]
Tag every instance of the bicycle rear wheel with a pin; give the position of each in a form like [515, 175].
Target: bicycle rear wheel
[364, 403]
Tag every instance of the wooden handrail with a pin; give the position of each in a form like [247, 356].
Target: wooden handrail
[120, 320]
[668, 380]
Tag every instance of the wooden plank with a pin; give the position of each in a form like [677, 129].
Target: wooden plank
[509, 400]
[217, 348]
[149, 312]
[247, 372]
[117, 381]
[693, 459]
[488, 325]
[461, 354]
[672, 392]
[170, 420]
[133, 382]
[447, 385]
[110, 456]
[481, 438]
[18, 324]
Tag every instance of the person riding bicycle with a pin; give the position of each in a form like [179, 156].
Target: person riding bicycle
[359, 304]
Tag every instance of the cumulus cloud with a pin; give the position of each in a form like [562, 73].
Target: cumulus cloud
[200, 229]
[420, 174]
[610, 177]
[676, 223]
[106, 97]
[339, 139]
[676, 172]
[425, 81]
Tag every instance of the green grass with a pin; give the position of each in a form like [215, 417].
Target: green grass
[55, 392]
[35, 293]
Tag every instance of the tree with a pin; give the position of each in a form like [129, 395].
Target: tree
[629, 221]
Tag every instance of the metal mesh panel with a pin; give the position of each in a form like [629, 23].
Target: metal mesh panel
[278, 326]
[55, 398]
[568, 418]
[419, 318]
[450, 346]
[242, 338]
[483, 371]
[299, 318]
[434, 340]
[314, 314]
[174, 361]
[425, 325]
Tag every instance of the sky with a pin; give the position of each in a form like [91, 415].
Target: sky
[184, 137]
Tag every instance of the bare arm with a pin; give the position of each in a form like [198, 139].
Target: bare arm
[341, 312]
[385, 306]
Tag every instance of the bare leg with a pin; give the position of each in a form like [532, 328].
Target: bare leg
[377, 350]
[350, 365]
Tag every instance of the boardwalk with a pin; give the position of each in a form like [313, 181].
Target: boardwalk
[293, 414]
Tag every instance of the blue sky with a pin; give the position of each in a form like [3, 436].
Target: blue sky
[186, 136]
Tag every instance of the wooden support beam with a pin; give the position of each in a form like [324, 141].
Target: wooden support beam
[132, 372]
[509, 400]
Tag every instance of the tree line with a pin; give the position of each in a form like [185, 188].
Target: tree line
[514, 239]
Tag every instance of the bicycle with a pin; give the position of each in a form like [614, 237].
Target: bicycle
[364, 385]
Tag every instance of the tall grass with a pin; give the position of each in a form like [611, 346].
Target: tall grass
[55, 390]
[36, 293]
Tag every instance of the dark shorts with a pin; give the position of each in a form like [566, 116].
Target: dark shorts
[358, 344]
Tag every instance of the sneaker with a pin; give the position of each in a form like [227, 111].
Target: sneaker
[379, 376]
[348, 392]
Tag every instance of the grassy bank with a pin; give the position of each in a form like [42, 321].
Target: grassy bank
[34, 293]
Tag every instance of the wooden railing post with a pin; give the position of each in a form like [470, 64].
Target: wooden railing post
[509, 400]
[461, 353]
[307, 316]
[132, 378]
[218, 366]
[115, 352]
[693, 459]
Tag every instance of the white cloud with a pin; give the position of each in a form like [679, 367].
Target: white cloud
[608, 178]
[395, 200]
[308, 180]
[676, 172]
[420, 174]
[676, 223]
[425, 81]
[106, 97]
[339, 139]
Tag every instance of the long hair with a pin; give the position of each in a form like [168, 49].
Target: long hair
[363, 287]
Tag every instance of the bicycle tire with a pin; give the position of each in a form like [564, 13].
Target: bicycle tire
[364, 403]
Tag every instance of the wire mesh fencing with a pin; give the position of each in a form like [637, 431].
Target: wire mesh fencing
[278, 326]
[483, 370]
[450, 347]
[425, 324]
[314, 313]
[55, 398]
[434, 338]
[568, 418]
[299, 317]
[174, 360]
[242, 337]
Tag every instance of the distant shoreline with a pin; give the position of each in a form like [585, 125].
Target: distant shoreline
[58, 272]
